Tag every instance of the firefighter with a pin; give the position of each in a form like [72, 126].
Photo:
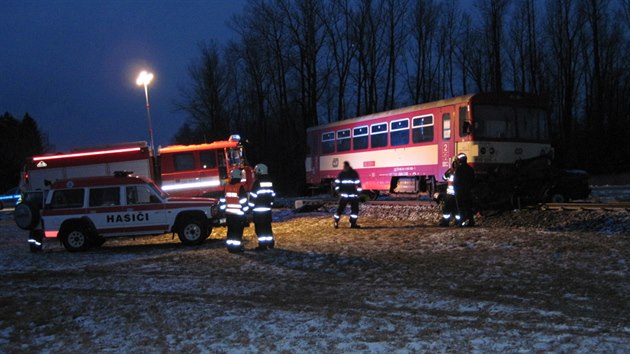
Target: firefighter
[464, 179]
[449, 209]
[260, 201]
[235, 205]
[348, 185]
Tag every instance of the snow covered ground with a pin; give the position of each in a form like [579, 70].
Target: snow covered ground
[521, 281]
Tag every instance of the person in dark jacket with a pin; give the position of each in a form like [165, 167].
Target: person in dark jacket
[235, 205]
[260, 201]
[464, 179]
[449, 209]
[348, 185]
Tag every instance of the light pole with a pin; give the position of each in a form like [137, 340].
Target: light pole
[144, 79]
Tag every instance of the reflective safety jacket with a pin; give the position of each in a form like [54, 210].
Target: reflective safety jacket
[262, 194]
[449, 177]
[235, 200]
[348, 184]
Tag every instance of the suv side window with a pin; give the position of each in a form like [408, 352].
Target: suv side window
[140, 195]
[107, 196]
[67, 198]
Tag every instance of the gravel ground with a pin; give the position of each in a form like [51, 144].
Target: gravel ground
[520, 281]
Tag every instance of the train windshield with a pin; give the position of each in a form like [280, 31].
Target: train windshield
[510, 123]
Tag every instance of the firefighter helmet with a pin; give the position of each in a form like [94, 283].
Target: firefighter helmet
[236, 173]
[462, 158]
[261, 169]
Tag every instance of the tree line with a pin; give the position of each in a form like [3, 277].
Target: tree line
[19, 139]
[299, 63]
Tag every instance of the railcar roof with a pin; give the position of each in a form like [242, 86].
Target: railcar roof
[486, 97]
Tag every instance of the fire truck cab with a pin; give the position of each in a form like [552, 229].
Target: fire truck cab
[203, 169]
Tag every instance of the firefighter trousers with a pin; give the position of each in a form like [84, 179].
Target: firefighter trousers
[235, 225]
[354, 209]
[262, 225]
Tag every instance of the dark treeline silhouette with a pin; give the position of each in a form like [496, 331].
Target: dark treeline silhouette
[19, 139]
[297, 64]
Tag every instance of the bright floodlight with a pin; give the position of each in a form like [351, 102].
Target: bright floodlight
[144, 78]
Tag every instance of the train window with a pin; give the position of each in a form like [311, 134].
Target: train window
[360, 138]
[208, 159]
[184, 161]
[446, 126]
[422, 129]
[379, 135]
[495, 122]
[399, 132]
[343, 140]
[328, 142]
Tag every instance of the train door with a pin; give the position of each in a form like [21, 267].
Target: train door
[447, 148]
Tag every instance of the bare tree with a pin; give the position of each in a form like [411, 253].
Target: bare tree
[205, 101]
[564, 28]
[421, 69]
[493, 14]
[341, 46]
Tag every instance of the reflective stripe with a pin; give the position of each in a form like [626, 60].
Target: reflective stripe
[235, 211]
[257, 209]
[266, 184]
[34, 242]
[265, 238]
[353, 216]
[179, 186]
[231, 195]
[336, 217]
[446, 216]
[233, 242]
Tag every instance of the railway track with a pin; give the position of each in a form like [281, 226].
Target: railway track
[576, 206]
[612, 206]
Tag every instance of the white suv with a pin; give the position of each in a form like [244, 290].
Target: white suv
[84, 212]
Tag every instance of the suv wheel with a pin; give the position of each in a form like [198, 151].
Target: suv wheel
[192, 230]
[75, 238]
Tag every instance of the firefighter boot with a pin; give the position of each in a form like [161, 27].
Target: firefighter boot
[354, 225]
[336, 222]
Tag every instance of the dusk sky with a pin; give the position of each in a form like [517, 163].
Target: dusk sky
[72, 64]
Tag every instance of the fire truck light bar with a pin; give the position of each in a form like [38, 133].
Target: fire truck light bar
[83, 154]
[180, 186]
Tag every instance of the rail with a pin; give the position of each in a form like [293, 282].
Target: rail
[587, 206]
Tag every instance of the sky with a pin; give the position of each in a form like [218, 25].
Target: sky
[72, 64]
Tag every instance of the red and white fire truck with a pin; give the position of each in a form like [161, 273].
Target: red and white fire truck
[181, 170]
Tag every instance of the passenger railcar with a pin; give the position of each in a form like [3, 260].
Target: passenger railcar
[406, 150]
